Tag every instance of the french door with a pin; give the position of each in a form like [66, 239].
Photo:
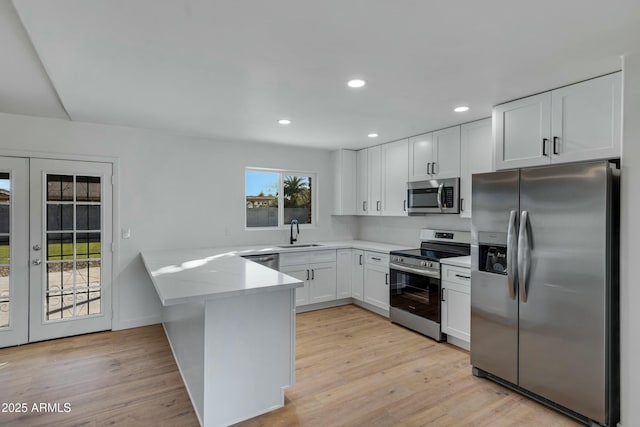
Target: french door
[55, 248]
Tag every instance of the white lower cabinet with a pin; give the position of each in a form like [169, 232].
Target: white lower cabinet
[376, 279]
[456, 302]
[357, 274]
[317, 269]
[343, 264]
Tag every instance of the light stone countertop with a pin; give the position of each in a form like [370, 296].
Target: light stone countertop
[459, 261]
[194, 275]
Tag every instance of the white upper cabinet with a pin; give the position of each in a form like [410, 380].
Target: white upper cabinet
[523, 132]
[573, 123]
[395, 173]
[586, 120]
[476, 156]
[420, 156]
[435, 155]
[344, 188]
[362, 181]
[446, 145]
[375, 181]
[381, 179]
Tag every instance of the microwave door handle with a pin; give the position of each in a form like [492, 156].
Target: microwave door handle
[440, 196]
[512, 245]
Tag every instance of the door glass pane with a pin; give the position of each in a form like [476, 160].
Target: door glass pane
[87, 217]
[59, 276]
[59, 246]
[297, 199]
[4, 296]
[88, 189]
[59, 188]
[59, 217]
[5, 249]
[73, 257]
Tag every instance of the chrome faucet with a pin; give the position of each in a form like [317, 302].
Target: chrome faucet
[294, 239]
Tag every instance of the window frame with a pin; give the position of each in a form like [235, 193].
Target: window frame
[281, 174]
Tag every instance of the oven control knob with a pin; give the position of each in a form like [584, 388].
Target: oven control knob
[401, 259]
[423, 263]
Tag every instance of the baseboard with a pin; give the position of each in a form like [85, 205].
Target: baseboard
[136, 323]
[367, 306]
[465, 345]
[321, 305]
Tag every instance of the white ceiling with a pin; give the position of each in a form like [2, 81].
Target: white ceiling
[228, 69]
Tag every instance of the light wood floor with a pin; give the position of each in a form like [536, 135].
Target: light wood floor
[354, 368]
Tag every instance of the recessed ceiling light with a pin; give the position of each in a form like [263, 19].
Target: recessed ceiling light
[461, 109]
[356, 83]
[373, 135]
[284, 121]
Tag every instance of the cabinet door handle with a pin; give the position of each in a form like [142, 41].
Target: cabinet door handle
[313, 274]
[364, 206]
[433, 168]
[386, 278]
[404, 205]
[444, 292]
[307, 274]
[361, 256]
[461, 204]
[428, 164]
[544, 146]
[555, 145]
[463, 277]
[378, 205]
[376, 258]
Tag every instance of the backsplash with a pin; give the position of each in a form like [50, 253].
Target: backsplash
[405, 230]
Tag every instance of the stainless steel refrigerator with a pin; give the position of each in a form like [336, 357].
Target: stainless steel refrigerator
[544, 285]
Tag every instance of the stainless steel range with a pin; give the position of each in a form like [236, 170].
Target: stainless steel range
[415, 290]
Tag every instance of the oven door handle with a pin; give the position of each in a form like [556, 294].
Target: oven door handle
[417, 271]
[440, 196]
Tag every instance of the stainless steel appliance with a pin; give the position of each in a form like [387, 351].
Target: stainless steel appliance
[433, 196]
[544, 285]
[415, 291]
[268, 260]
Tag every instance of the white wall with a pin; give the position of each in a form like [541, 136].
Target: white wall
[175, 192]
[406, 230]
[629, 249]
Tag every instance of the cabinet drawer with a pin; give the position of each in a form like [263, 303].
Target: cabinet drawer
[322, 256]
[377, 258]
[459, 275]
[294, 258]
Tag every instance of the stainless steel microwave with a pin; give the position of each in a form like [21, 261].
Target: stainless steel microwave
[433, 196]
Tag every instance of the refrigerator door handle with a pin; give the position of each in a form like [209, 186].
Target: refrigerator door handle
[524, 256]
[512, 247]
[440, 196]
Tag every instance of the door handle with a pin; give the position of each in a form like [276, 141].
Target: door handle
[461, 204]
[433, 168]
[386, 278]
[307, 274]
[544, 146]
[36, 247]
[524, 256]
[404, 205]
[364, 206]
[428, 164]
[443, 294]
[463, 277]
[37, 261]
[361, 256]
[378, 205]
[555, 145]
[512, 244]
[313, 274]
[440, 187]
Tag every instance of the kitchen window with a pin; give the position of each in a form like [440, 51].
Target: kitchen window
[273, 198]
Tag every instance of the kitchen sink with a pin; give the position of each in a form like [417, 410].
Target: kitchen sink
[304, 245]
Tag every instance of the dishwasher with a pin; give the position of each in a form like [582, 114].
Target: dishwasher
[268, 260]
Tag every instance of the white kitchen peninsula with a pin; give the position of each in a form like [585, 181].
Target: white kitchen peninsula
[231, 325]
